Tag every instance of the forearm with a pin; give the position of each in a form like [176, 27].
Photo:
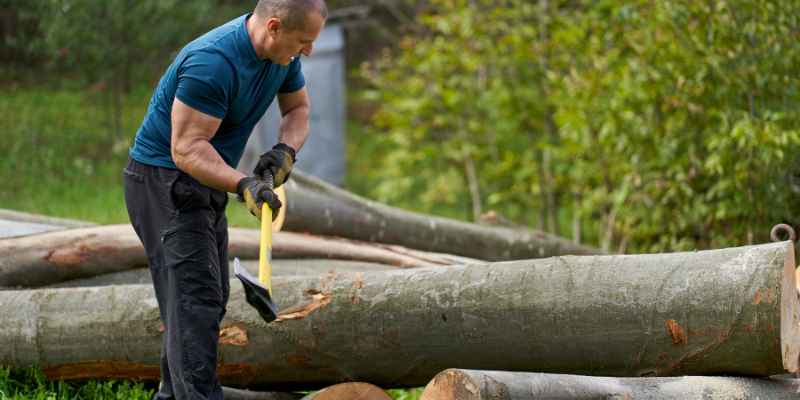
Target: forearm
[200, 160]
[295, 127]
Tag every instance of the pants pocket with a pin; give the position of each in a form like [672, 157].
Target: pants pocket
[189, 194]
[132, 175]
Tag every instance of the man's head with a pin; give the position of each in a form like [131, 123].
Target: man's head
[289, 26]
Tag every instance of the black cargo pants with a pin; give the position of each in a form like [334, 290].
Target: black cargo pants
[183, 228]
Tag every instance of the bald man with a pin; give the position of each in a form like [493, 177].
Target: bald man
[182, 165]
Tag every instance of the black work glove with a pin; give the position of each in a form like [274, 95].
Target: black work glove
[278, 162]
[254, 192]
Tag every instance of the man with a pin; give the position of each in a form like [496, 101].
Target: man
[182, 164]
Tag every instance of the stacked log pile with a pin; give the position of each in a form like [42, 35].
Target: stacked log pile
[52, 257]
[712, 323]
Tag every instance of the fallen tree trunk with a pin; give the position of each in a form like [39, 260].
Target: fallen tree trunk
[51, 257]
[730, 311]
[280, 268]
[458, 384]
[238, 394]
[14, 215]
[349, 391]
[316, 207]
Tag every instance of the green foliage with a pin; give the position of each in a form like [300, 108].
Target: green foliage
[116, 39]
[19, 35]
[648, 125]
[113, 44]
[405, 394]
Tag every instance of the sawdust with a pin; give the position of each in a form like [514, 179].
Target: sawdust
[234, 335]
[317, 300]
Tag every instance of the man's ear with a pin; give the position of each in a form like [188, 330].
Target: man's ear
[273, 26]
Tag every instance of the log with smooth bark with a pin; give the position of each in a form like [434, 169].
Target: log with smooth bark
[729, 311]
[14, 215]
[239, 394]
[280, 268]
[322, 209]
[51, 257]
[458, 384]
[349, 391]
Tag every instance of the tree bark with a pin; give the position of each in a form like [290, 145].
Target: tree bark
[459, 384]
[238, 394]
[52, 257]
[730, 311]
[15, 223]
[349, 391]
[316, 207]
[13, 215]
[280, 268]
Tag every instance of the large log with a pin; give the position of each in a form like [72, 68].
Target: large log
[458, 384]
[323, 209]
[51, 257]
[730, 311]
[280, 268]
[349, 391]
[239, 394]
[55, 222]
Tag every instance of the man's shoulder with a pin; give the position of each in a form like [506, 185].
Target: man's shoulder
[220, 42]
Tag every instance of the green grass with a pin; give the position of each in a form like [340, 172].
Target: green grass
[31, 384]
[61, 158]
[402, 394]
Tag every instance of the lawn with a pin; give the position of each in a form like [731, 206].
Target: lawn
[61, 158]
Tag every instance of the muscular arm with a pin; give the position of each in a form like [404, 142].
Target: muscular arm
[192, 152]
[295, 110]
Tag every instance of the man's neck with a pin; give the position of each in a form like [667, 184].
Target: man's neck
[256, 34]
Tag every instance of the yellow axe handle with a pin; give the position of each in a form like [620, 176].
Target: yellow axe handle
[265, 248]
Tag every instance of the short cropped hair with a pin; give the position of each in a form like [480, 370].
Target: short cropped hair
[292, 13]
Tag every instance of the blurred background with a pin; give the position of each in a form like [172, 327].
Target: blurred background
[630, 125]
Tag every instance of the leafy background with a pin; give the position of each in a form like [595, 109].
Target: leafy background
[636, 126]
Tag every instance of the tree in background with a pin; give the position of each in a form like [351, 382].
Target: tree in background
[19, 26]
[113, 44]
[643, 126]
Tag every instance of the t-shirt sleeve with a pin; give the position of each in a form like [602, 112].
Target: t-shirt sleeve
[205, 83]
[294, 78]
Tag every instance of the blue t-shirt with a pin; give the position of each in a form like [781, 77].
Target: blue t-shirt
[220, 75]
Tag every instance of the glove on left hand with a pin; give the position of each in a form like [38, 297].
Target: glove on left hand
[254, 193]
[278, 162]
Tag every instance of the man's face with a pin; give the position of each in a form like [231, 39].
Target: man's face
[291, 43]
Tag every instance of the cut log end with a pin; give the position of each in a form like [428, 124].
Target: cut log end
[452, 384]
[505, 385]
[790, 312]
[351, 391]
